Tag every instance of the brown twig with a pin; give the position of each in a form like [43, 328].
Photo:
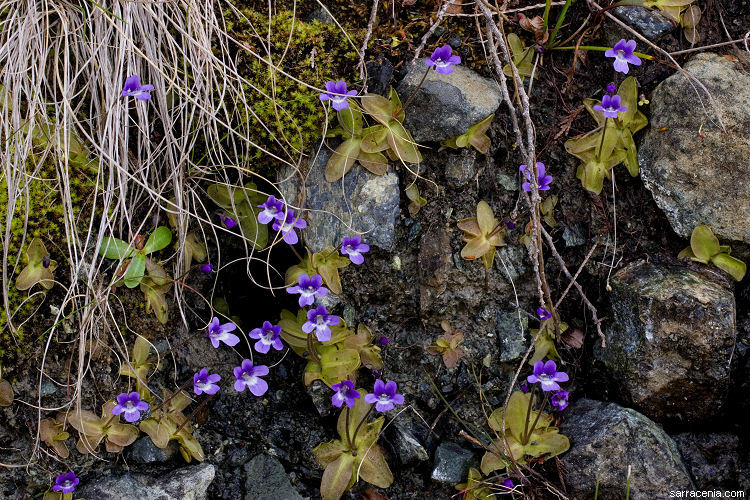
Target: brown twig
[361, 64]
[585, 299]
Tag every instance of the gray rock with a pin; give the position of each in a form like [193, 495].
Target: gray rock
[713, 460]
[607, 438]
[574, 235]
[698, 180]
[266, 479]
[669, 342]
[320, 395]
[365, 203]
[186, 483]
[47, 388]
[143, 451]
[514, 257]
[510, 334]
[459, 166]
[650, 23]
[447, 105]
[452, 463]
[407, 445]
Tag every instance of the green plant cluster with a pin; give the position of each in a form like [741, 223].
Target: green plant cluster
[611, 143]
[313, 52]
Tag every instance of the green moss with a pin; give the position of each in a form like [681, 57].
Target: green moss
[315, 53]
[45, 220]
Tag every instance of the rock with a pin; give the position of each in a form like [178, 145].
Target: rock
[510, 334]
[407, 445]
[447, 105]
[143, 451]
[688, 174]
[266, 479]
[379, 73]
[713, 460]
[607, 438]
[320, 395]
[452, 463]
[650, 23]
[186, 483]
[514, 258]
[459, 166]
[371, 206]
[574, 235]
[669, 342]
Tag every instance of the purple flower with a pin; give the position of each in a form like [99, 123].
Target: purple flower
[131, 405]
[510, 224]
[248, 376]
[508, 484]
[133, 88]
[354, 248]
[66, 483]
[308, 288]
[220, 333]
[319, 320]
[524, 388]
[547, 375]
[345, 393]
[611, 88]
[559, 400]
[623, 54]
[227, 221]
[287, 227]
[383, 340]
[610, 106]
[267, 336]
[543, 313]
[544, 180]
[205, 382]
[443, 59]
[384, 396]
[337, 94]
[207, 268]
[273, 209]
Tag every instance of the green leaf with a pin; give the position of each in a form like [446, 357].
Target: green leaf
[342, 159]
[135, 271]
[256, 233]
[515, 419]
[35, 272]
[402, 143]
[734, 267]
[115, 248]
[337, 365]
[327, 263]
[631, 154]
[156, 299]
[375, 139]
[417, 201]
[159, 239]
[704, 244]
[359, 411]
[396, 105]
[351, 121]
[492, 461]
[375, 163]
[687, 252]
[336, 477]
[378, 107]
[374, 469]
[628, 92]
[327, 452]
[548, 443]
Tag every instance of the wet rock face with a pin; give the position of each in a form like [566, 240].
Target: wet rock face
[669, 342]
[698, 180]
[186, 483]
[446, 105]
[714, 460]
[605, 439]
[365, 202]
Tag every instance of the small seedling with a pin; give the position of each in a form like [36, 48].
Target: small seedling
[39, 267]
[482, 234]
[476, 136]
[448, 346]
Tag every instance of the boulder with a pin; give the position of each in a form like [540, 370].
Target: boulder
[605, 440]
[364, 203]
[670, 339]
[714, 460]
[446, 105]
[697, 172]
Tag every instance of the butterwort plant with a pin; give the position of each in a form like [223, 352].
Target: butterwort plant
[308, 287]
[131, 406]
[248, 376]
[218, 333]
[354, 248]
[287, 226]
[623, 54]
[267, 337]
[544, 179]
[66, 483]
[355, 454]
[338, 94]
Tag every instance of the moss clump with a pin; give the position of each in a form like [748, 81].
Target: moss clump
[38, 213]
[314, 53]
